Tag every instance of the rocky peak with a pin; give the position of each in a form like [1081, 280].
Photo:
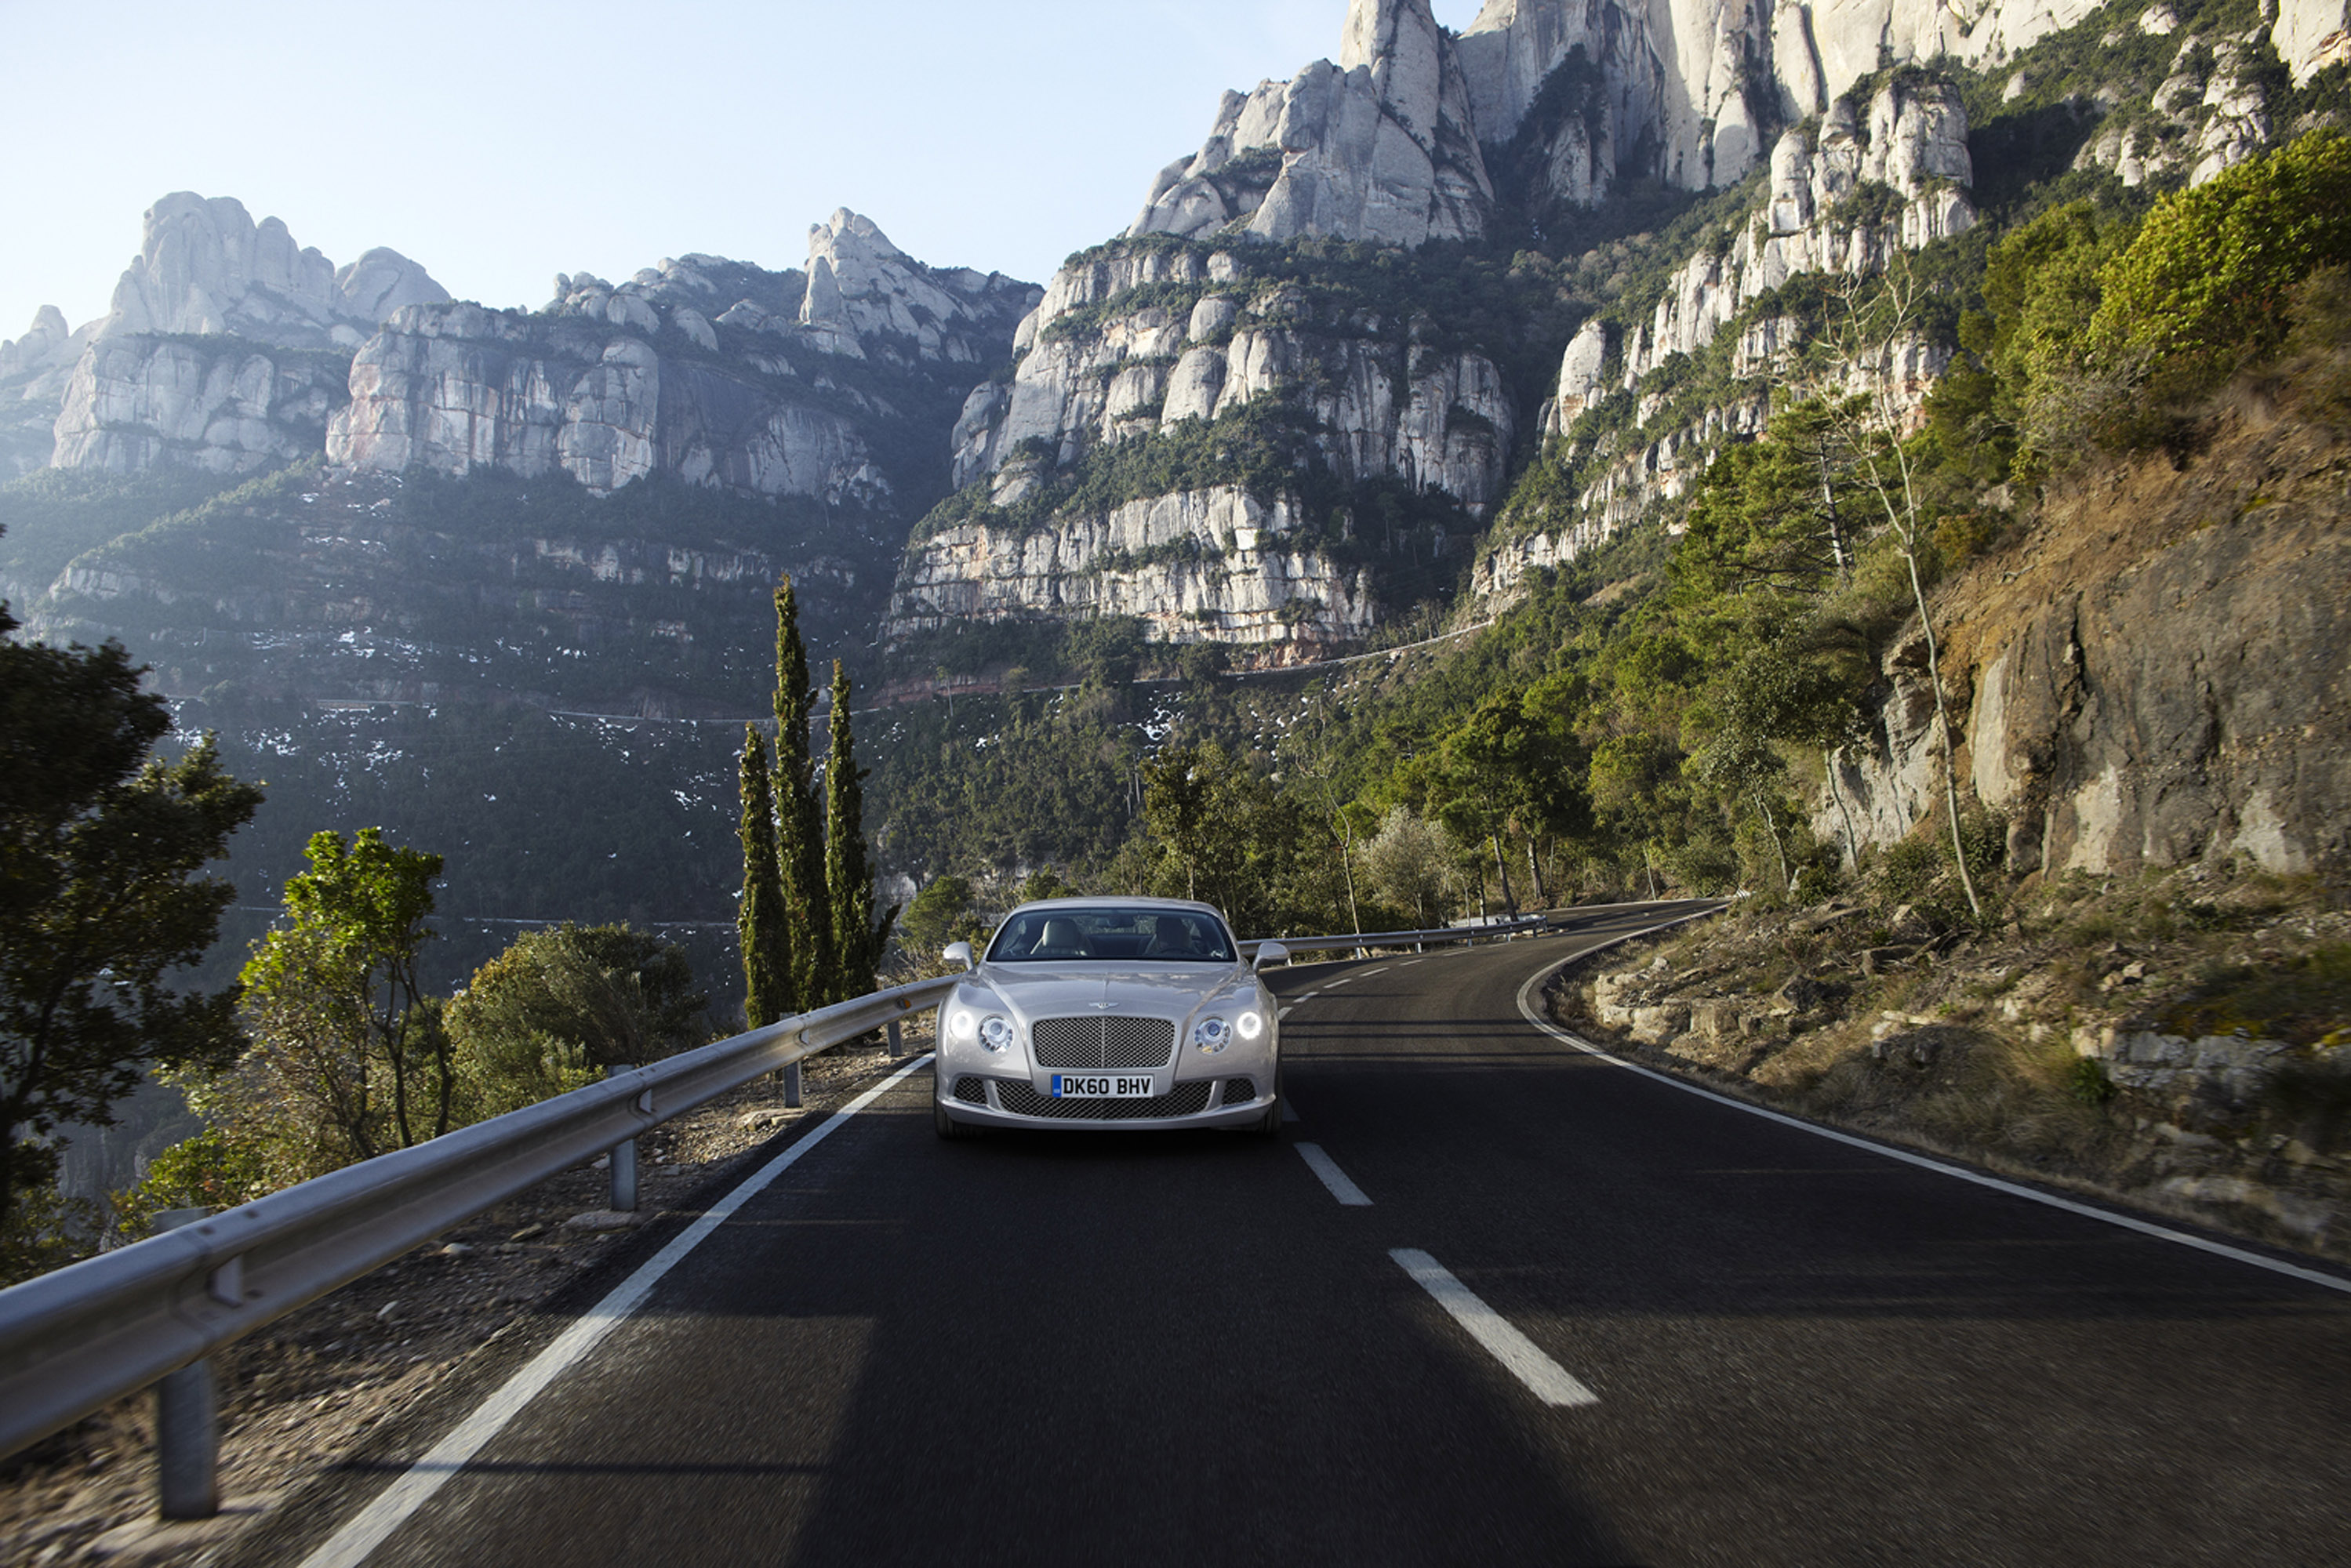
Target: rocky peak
[2312, 35]
[44, 342]
[861, 286]
[205, 267]
[1382, 146]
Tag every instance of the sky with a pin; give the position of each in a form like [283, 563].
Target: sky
[500, 141]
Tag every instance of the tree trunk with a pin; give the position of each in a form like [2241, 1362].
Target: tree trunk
[1502, 871]
[1837, 793]
[1534, 869]
[1787, 883]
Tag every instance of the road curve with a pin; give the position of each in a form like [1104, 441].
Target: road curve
[1548, 1310]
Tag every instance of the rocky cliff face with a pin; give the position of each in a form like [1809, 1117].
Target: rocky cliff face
[1380, 146]
[227, 347]
[1194, 566]
[34, 373]
[713, 372]
[2160, 677]
[205, 267]
[1868, 183]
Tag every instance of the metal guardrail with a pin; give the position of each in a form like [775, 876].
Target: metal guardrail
[74, 1340]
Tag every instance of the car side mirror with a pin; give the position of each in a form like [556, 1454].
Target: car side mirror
[958, 953]
[1270, 953]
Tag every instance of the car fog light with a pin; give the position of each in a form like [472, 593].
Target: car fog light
[996, 1033]
[1212, 1035]
[1249, 1025]
[963, 1023]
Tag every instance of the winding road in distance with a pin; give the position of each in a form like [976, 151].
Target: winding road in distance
[1488, 1299]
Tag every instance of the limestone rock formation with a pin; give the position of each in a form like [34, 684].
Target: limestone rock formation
[139, 394]
[1379, 147]
[709, 370]
[2210, 114]
[218, 403]
[34, 373]
[1194, 566]
[205, 267]
[1213, 337]
[2312, 35]
[2124, 709]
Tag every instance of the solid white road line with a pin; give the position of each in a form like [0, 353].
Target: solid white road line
[1525, 1360]
[351, 1546]
[2144, 1228]
[1349, 1194]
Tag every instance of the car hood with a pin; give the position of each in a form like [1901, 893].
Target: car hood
[1042, 990]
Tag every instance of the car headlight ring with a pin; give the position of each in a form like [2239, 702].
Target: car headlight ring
[996, 1033]
[963, 1023]
[1249, 1025]
[1212, 1035]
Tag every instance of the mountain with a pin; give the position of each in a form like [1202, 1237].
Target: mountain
[1412, 334]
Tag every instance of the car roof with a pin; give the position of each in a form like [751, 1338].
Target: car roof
[1120, 900]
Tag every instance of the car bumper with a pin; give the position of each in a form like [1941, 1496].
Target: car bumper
[1013, 1103]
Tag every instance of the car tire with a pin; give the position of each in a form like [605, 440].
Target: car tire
[946, 1127]
[1269, 1124]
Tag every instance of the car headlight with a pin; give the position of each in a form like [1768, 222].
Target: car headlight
[1249, 1025]
[963, 1023]
[1212, 1035]
[996, 1033]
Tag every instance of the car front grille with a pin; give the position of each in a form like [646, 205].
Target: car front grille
[971, 1091]
[1187, 1100]
[1239, 1091]
[1103, 1043]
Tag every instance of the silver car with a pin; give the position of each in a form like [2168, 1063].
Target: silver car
[1110, 1012]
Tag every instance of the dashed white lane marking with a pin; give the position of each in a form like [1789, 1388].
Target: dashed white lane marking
[1307, 998]
[1344, 980]
[1408, 963]
[350, 1546]
[1549, 1381]
[1381, 970]
[1349, 1194]
[2161, 1233]
[1287, 1012]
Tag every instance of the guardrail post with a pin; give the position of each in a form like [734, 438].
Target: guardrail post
[624, 1159]
[187, 1423]
[792, 1087]
[897, 1038]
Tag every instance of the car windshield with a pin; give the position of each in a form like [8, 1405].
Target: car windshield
[1154, 936]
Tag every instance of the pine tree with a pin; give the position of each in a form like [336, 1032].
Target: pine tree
[762, 928]
[799, 815]
[857, 938]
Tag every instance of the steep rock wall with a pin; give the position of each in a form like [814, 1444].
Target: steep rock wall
[710, 371]
[226, 345]
[2164, 674]
[1194, 566]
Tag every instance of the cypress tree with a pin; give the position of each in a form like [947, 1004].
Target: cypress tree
[799, 815]
[857, 938]
[761, 927]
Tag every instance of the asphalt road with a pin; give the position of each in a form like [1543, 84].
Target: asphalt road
[1140, 1348]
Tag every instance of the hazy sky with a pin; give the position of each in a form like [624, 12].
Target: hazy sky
[501, 142]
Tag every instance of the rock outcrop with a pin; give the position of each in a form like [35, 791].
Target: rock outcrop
[2312, 35]
[1870, 181]
[2163, 681]
[712, 372]
[34, 373]
[2209, 115]
[220, 404]
[1194, 566]
[1379, 147]
[1216, 337]
[227, 345]
[205, 267]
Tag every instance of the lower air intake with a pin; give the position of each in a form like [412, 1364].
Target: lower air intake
[1189, 1100]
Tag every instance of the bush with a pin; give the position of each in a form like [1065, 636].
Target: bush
[2205, 288]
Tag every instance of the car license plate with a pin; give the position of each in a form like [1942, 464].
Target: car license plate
[1102, 1086]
